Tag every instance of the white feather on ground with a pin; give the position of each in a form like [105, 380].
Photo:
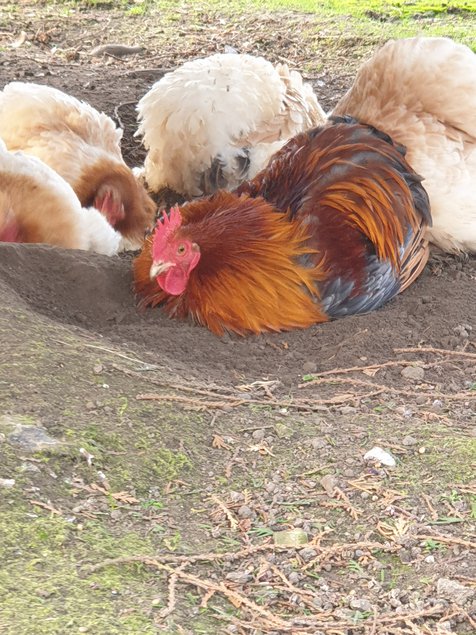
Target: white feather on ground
[422, 92]
[215, 121]
[42, 207]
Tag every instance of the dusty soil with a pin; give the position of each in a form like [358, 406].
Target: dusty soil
[173, 443]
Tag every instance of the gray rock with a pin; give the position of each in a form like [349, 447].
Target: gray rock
[258, 435]
[319, 443]
[409, 440]
[238, 577]
[245, 512]
[32, 439]
[454, 591]
[308, 553]
[414, 373]
[361, 605]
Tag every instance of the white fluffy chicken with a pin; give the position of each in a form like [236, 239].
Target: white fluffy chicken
[422, 92]
[83, 146]
[216, 121]
[38, 206]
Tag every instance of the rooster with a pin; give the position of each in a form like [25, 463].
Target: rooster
[422, 92]
[333, 226]
[83, 146]
[38, 206]
[216, 121]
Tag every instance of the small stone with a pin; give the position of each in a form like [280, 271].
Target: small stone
[415, 373]
[290, 538]
[283, 431]
[294, 577]
[381, 456]
[308, 553]
[7, 483]
[361, 605]
[409, 440]
[329, 483]
[318, 443]
[308, 368]
[430, 559]
[258, 435]
[454, 591]
[90, 405]
[97, 370]
[238, 577]
[245, 512]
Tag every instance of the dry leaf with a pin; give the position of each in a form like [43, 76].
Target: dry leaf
[218, 442]
[262, 449]
[370, 372]
[125, 497]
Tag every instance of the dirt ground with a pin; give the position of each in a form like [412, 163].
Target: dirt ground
[184, 455]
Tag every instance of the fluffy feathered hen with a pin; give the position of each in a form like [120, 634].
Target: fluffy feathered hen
[422, 92]
[216, 121]
[38, 206]
[83, 146]
[333, 226]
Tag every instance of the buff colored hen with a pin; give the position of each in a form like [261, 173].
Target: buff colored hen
[422, 92]
[216, 121]
[83, 146]
[38, 206]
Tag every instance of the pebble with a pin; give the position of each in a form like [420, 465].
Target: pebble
[409, 440]
[308, 553]
[294, 577]
[258, 435]
[361, 605]
[283, 431]
[239, 577]
[7, 483]
[318, 443]
[245, 512]
[454, 591]
[415, 373]
[329, 483]
[430, 559]
[383, 457]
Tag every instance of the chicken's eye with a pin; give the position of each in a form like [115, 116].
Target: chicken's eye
[181, 250]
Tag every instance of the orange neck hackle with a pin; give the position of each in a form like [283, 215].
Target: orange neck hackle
[249, 278]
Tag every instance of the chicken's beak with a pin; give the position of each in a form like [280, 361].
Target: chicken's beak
[160, 267]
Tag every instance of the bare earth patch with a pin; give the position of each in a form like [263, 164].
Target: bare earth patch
[149, 469]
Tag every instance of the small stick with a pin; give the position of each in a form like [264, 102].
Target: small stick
[430, 349]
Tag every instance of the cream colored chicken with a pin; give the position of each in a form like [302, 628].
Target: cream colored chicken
[83, 146]
[38, 206]
[215, 121]
[422, 92]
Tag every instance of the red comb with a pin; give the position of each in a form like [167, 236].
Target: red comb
[166, 226]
